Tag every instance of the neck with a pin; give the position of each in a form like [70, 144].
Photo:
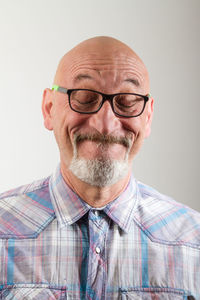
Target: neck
[94, 196]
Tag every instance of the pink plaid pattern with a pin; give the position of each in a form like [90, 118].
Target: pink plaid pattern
[143, 245]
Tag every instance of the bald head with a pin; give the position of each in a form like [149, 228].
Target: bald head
[107, 67]
[99, 48]
[103, 45]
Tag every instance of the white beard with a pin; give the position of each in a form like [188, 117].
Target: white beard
[99, 172]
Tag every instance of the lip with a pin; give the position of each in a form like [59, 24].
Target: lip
[96, 150]
[102, 139]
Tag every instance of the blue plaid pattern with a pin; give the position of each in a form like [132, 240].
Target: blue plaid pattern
[142, 245]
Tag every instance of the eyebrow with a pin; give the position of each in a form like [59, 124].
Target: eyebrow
[81, 77]
[133, 81]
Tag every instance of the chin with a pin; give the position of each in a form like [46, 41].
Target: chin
[99, 172]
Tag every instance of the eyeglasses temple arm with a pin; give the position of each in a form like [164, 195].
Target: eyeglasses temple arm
[59, 89]
[55, 87]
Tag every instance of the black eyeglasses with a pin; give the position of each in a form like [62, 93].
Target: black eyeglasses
[85, 101]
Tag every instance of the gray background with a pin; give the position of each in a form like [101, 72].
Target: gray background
[165, 33]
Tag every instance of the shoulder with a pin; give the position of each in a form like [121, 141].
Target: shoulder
[25, 211]
[33, 186]
[165, 220]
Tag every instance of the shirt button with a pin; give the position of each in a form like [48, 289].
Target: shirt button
[96, 213]
[98, 250]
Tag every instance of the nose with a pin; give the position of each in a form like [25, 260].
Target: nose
[105, 121]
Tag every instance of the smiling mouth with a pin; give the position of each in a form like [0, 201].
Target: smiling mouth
[104, 139]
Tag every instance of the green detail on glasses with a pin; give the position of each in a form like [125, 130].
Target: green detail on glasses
[55, 87]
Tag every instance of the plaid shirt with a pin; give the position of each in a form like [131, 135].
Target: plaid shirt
[143, 245]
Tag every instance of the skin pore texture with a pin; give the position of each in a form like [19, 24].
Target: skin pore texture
[93, 146]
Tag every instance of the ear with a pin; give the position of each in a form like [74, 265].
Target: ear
[149, 117]
[47, 104]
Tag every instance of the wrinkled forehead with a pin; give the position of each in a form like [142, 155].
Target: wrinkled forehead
[102, 63]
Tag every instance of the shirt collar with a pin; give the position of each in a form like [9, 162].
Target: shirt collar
[69, 207]
[121, 210]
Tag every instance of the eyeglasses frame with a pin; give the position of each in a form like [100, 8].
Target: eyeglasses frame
[105, 97]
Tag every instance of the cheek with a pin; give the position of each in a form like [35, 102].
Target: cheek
[59, 120]
[65, 123]
[137, 128]
[59, 123]
[135, 125]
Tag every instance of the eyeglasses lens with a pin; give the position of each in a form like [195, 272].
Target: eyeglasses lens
[123, 104]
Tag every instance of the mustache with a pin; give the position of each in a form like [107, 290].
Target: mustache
[105, 139]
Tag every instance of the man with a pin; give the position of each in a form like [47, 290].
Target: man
[91, 231]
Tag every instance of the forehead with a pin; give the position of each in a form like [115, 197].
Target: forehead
[110, 68]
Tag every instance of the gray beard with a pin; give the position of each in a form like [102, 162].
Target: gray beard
[103, 171]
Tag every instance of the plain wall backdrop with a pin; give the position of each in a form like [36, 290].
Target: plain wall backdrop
[165, 34]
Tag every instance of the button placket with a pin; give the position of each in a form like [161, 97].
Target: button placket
[97, 269]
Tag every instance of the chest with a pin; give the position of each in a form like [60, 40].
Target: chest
[95, 259]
